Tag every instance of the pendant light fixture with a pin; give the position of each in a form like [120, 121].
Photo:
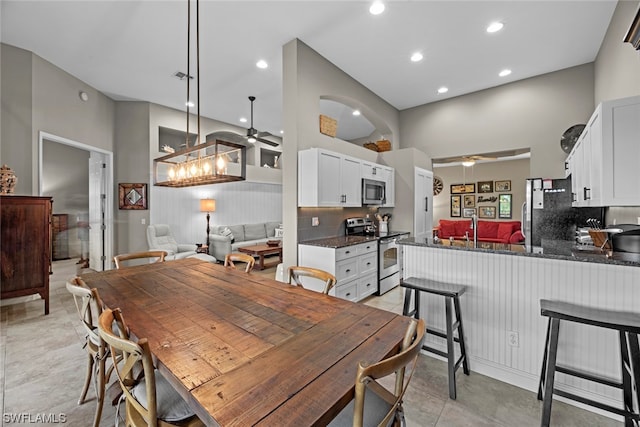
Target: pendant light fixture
[203, 163]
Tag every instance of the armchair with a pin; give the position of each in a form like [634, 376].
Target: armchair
[159, 238]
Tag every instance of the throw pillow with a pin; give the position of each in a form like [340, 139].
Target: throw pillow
[279, 232]
[226, 232]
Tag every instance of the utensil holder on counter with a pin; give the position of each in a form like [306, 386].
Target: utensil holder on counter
[384, 227]
[600, 239]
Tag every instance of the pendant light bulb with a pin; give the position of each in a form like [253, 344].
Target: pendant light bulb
[206, 168]
[220, 163]
[172, 173]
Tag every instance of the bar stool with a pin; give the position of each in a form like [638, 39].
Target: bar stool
[451, 292]
[628, 326]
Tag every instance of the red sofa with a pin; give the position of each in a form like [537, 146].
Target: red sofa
[488, 231]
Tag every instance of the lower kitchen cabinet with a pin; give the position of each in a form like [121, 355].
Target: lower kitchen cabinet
[355, 268]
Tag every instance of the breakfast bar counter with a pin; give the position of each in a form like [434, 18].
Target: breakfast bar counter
[504, 331]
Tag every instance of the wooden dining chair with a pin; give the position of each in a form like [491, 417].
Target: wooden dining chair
[89, 308]
[158, 255]
[296, 272]
[232, 257]
[374, 404]
[150, 400]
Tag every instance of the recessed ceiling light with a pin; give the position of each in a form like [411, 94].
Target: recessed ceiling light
[504, 72]
[262, 64]
[356, 112]
[416, 57]
[443, 89]
[494, 27]
[189, 104]
[281, 132]
[243, 119]
[376, 8]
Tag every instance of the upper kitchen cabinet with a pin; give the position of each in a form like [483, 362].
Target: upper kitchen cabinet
[604, 162]
[328, 179]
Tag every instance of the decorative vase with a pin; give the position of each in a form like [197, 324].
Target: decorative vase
[8, 180]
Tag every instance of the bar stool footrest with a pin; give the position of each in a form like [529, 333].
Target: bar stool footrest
[441, 334]
[435, 350]
[611, 382]
[597, 404]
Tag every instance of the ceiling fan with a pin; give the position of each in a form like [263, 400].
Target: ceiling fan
[254, 135]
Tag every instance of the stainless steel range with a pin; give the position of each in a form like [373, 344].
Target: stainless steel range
[389, 252]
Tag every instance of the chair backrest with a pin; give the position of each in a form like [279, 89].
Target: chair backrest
[88, 306]
[368, 375]
[232, 257]
[296, 272]
[135, 355]
[159, 236]
[157, 255]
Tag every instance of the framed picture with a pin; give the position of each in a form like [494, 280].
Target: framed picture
[468, 212]
[469, 201]
[503, 186]
[504, 206]
[455, 206]
[487, 212]
[132, 196]
[463, 188]
[485, 186]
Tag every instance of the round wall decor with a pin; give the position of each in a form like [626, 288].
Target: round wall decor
[438, 185]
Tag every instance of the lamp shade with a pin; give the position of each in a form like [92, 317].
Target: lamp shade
[207, 205]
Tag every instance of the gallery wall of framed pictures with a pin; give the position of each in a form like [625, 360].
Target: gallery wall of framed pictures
[465, 202]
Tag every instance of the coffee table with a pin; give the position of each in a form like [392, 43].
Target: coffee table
[260, 251]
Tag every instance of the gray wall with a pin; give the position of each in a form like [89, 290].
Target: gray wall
[531, 113]
[65, 177]
[15, 115]
[617, 66]
[308, 76]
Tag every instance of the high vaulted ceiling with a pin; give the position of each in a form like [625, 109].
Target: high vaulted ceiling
[129, 50]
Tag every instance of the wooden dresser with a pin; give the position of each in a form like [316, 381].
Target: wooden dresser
[25, 246]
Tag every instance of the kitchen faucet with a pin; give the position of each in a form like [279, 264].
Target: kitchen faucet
[474, 226]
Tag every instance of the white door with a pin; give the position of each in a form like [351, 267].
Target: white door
[97, 212]
[423, 203]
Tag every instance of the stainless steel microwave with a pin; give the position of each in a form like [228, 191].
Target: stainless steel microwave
[373, 192]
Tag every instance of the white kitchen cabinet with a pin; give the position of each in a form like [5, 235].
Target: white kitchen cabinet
[355, 268]
[371, 170]
[328, 179]
[606, 156]
[423, 203]
[389, 175]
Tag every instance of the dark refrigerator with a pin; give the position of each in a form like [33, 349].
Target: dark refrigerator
[547, 212]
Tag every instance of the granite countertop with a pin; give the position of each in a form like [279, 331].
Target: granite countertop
[342, 241]
[553, 249]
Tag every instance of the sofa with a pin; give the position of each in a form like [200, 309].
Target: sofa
[488, 231]
[224, 239]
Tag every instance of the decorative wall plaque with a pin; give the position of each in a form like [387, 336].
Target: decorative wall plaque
[132, 196]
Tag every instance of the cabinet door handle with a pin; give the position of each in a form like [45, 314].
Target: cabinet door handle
[347, 252]
[348, 294]
[374, 171]
[574, 197]
[368, 263]
[347, 270]
[587, 193]
[566, 165]
[426, 204]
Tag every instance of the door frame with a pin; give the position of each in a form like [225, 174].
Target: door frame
[108, 219]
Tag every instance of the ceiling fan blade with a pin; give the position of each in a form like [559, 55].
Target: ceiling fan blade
[266, 141]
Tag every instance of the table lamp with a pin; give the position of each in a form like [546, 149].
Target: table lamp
[207, 205]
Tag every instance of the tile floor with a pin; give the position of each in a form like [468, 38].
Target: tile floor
[42, 368]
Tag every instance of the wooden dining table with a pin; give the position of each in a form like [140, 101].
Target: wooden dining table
[245, 350]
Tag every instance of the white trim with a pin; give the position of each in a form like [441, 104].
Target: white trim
[108, 244]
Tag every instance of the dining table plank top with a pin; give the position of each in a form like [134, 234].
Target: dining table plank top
[244, 349]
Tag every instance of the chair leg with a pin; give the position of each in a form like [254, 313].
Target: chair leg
[550, 372]
[407, 301]
[543, 371]
[87, 379]
[100, 374]
[451, 363]
[634, 351]
[463, 347]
